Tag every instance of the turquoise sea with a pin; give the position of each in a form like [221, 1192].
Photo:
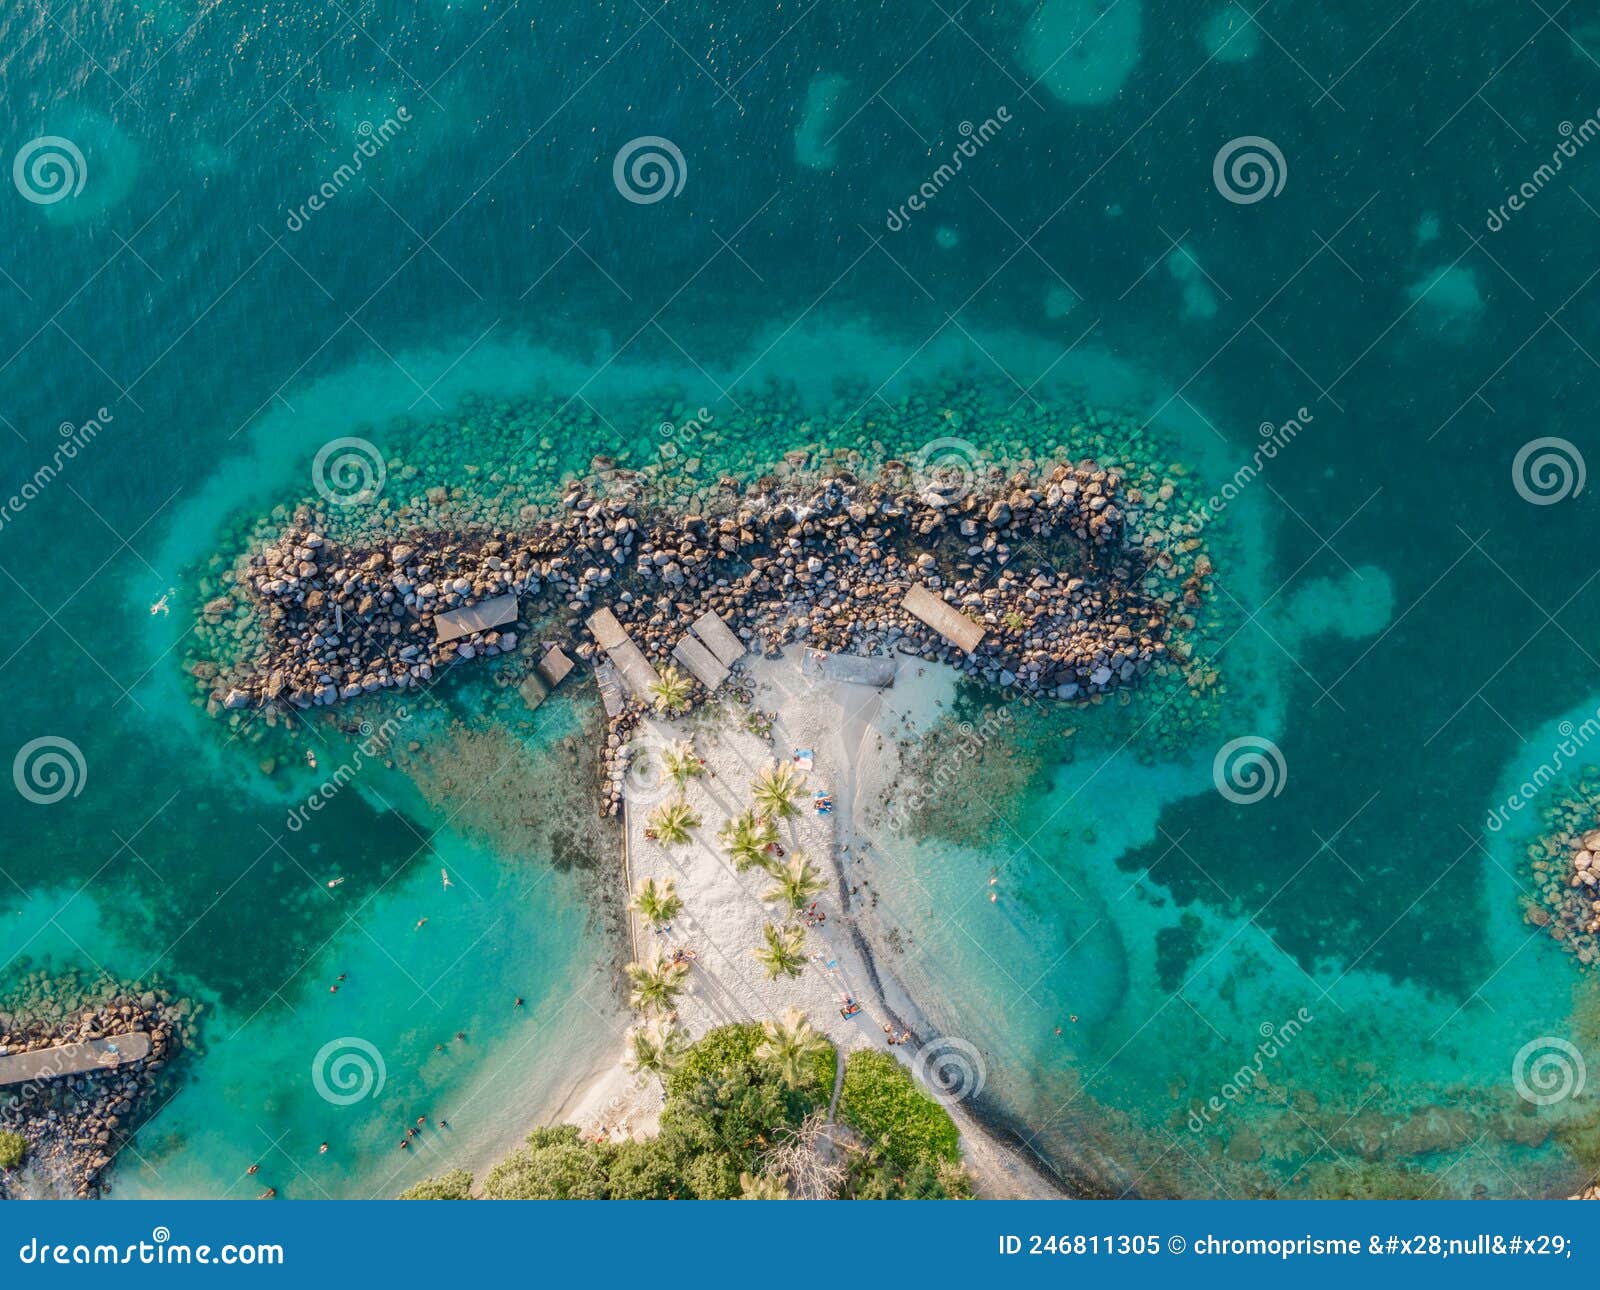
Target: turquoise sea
[234, 234]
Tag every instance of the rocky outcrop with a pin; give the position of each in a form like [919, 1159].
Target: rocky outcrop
[75, 1124]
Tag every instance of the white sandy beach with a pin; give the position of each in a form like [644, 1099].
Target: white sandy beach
[854, 732]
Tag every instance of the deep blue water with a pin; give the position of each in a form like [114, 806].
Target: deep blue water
[173, 292]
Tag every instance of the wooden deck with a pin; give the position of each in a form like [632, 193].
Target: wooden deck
[74, 1059]
[944, 618]
[475, 618]
[629, 658]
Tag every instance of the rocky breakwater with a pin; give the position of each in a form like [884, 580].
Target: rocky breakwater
[74, 1125]
[1082, 583]
[1566, 870]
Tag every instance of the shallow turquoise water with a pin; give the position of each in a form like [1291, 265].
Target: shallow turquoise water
[486, 248]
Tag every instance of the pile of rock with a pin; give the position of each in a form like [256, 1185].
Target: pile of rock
[1075, 577]
[1566, 865]
[75, 1124]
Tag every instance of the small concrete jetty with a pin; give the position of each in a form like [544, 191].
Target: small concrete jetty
[628, 657]
[708, 649]
[548, 673]
[857, 669]
[943, 617]
[605, 676]
[487, 614]
[554, 666]
[719, 638]
[700, 661]
[74, 1059]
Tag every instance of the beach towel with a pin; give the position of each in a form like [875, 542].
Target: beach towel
[804, 758]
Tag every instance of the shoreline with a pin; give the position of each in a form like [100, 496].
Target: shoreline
[723, 912]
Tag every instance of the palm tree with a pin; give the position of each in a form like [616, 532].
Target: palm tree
[789, 1045]
[657, 982]
[746, 838]
[798, 881]
[671, 691]
[654, 1048]
[775, 788]
[682, 763]
[783, 953]
[761, 1187]
[658, 903]
[671, 821]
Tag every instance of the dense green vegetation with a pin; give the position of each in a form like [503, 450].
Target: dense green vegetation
[13, 1147]
[455, 1185]
[883, 1103]
[732, 1101]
